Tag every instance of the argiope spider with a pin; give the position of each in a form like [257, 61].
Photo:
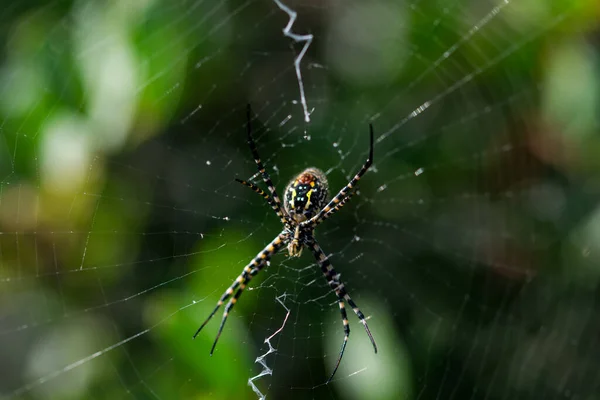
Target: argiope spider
[304, 208]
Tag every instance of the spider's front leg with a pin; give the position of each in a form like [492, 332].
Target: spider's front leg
[253, 268]
[338, 287]
[284, 218]
[344, 194]
[261, 168]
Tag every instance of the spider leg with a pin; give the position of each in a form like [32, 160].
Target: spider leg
[284, 218]
[333, 279]
[337, 206]
[230, 305]
[346, 336]
[259, 165]
[332, 206]
[253, 268]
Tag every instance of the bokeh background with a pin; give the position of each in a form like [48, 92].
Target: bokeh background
[472, 246]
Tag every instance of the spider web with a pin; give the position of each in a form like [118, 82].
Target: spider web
[470, 246]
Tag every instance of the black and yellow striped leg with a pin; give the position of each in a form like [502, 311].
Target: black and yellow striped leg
[240, 280]
[335, 209]
[284, 218]
[331, 207]
[346, 336]
[253, 268]
[230, 305]
[224, 297]
[333, 280]
[261, 168]
[360, 316]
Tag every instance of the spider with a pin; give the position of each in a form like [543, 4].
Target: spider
[305, 206]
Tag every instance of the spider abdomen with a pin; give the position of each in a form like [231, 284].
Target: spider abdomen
[306, 194]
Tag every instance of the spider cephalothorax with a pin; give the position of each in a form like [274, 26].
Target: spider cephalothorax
[304, 207]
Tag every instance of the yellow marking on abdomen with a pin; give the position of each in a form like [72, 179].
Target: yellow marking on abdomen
[293, 198]
[308, 199]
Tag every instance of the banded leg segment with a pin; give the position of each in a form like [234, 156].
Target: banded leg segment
[265, 175]
[278, 210]
[333, 279]
[241, 282]
[331, 207]
[346, 336]
[335, 209]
